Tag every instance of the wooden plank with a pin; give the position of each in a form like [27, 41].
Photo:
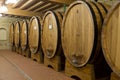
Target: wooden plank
[45, 5]
[63, 1]
[35, 6]
[85, 73]
[38, 57]
[19, 3]
[54, 63]
[42, 4]
[21, 12]
[28, 4]
[52, 8]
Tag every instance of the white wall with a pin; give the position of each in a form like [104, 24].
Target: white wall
[4, 31]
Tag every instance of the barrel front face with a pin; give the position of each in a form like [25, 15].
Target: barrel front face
[11, 36]
[78, 34]
[34, 34]
[51, 26]
[111, 38]
[24, 35]
[17, 34]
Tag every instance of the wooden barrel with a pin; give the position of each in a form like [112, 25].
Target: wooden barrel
[24, 35]
[51, 33]
[81, 32]
[11, 35]
[17, 32]
[35, 34]
[111, 38]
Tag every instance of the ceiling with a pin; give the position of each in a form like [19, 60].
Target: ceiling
[34, 7]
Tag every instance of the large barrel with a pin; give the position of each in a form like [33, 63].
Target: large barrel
[111, 38]
[35, 34]
[17, 33]
[81, 31]
[11, 35]
[51, 33]
[24, 35]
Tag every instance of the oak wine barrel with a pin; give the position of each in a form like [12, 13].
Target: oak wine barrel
[11, 35]
[35, 34]
[111, 38]
[24, 34]
[51, 33]
[17, 33]
[81, 31]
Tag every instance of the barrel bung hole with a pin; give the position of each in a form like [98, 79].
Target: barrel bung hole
[75, 77]
[50, 66]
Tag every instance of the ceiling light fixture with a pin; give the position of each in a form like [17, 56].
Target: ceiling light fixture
[3, 9]
[0, 15]
[11, 1]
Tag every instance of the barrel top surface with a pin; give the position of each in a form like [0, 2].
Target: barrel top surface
[111, 38]
[78, 33]
[34, 34]
[49, 34]
[17, 34]
[11, 36]
[24, 34]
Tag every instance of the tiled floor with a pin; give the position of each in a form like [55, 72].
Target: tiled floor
[16, 67]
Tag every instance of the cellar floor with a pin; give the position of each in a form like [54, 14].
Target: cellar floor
[16, 67]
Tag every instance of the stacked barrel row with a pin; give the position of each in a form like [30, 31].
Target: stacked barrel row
[76, 37]
[19, 36]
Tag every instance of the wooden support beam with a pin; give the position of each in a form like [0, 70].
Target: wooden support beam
[45, 5]
[63, 1]
[40, 5]
[28, 4]
[35, 6]
[52, 8]
[53, 4]
[19, 3]
[21, 12]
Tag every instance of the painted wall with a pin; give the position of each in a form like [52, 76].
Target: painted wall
[4, 31]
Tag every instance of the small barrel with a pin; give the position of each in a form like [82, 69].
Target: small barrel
[24, 35]
[51, 33]
[81, 33]
[11, 35]
[17, 31]
[35, 34]
[111, 38]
